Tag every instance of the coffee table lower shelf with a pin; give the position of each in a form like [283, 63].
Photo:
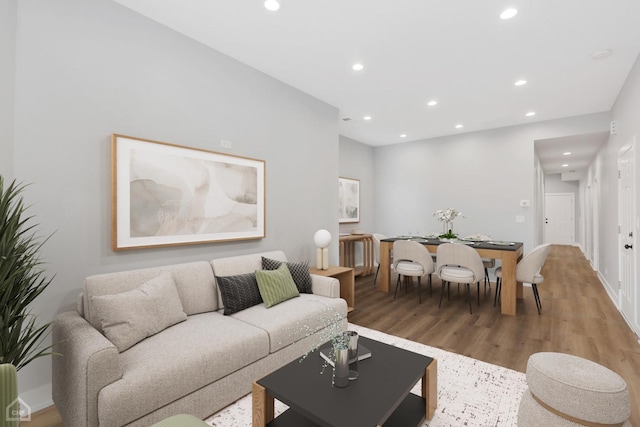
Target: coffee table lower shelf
[411, 412]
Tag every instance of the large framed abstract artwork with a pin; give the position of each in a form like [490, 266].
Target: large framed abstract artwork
[165, 194]
[349, 205]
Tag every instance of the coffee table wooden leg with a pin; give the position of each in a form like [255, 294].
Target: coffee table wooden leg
[262, 406]
[430, 388]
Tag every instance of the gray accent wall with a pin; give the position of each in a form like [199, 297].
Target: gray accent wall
[484, 175]
[87, 69]
[8, 16]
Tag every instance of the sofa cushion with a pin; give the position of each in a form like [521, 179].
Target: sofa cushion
[194, 281]
[276, 286]
[239, 292]
[296, 318]
[299, 271]
[180, 360]
[129, 317]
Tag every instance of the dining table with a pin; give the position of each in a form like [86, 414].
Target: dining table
[509, 253]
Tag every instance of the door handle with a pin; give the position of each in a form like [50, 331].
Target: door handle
[628, 246]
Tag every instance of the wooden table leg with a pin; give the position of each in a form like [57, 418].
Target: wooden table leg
[430, 388]
[385, 265]
[509, 291]
[262, 406]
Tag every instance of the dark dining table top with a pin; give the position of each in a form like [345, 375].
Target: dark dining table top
[491, 244]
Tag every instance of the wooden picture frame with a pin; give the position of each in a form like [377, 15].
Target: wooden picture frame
[349, 196]
[165, 195]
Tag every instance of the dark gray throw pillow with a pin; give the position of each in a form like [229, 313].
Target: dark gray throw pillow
[299, 271]
[238, 292]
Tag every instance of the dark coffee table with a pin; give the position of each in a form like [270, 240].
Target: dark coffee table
[381, 396]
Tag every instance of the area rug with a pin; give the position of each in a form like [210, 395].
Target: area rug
[470, 392]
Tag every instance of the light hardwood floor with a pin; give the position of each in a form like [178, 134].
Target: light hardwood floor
[577, 318]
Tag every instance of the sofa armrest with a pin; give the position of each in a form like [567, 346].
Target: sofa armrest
[325, 286]
[87, 363]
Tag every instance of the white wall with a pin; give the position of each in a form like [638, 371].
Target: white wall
[87, 69]
[356, 162]
[8, 15]
[626, 112]
[483, 174]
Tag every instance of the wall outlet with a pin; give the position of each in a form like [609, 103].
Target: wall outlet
[519, 219]
[525, 203]
[224, 143]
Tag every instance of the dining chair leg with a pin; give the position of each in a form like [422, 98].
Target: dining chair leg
[397, 284]
[442, 293]
[430, 287]
[419, 290]
[469, 297]
[496, 298]
[478, 294]
[376, 276]
[536, 295]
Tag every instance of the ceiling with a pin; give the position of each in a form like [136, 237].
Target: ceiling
[458, 53]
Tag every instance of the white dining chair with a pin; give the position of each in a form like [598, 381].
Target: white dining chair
[459, 264]
[527, 271]
[412, 259]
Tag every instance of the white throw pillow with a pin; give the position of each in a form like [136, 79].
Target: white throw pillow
[129, 317]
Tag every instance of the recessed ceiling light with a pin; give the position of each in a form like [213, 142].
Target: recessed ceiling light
[458, 126]
[565, 165]
[520, 83]
[367, 117]
[358, 67]
[566, 153]
[403, 135]
[432, 103]
[530, 113]
[272, 5]
[508, 13]
[600, 54]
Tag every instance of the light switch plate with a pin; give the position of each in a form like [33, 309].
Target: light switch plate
[519, 219]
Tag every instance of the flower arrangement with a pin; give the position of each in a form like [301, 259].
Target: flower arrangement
[447, 216]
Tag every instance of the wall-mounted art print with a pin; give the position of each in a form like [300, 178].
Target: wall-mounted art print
[165, 194]
[349, 193]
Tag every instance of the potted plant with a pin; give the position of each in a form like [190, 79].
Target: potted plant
[22, 280]
[447, 216]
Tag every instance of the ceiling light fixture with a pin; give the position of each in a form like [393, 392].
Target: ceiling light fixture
[530, 114]
[367, 117]
[358, 67]
[432, 103]
[458, 126]
[565, 165]
[566, 153]
[601, 54]
[272, 5]
[508, 13]
[520, 83]
[404, 135]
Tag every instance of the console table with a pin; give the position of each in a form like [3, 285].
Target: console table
[348, 253]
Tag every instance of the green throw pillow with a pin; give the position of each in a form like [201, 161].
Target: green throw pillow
[276, 285]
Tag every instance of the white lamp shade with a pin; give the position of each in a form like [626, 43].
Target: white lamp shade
[322, 238]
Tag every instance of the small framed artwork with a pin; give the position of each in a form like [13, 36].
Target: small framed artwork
[349, 193]
[165, 195]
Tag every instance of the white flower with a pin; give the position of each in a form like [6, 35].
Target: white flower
[447, 215]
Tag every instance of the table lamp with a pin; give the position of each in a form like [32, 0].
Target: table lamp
[322, 239]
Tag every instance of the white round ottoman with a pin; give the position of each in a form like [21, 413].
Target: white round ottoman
[567, 390]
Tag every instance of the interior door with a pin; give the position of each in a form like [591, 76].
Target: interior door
[559, 218]
[626, 212]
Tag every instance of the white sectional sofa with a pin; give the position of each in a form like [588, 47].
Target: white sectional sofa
[199, 364]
